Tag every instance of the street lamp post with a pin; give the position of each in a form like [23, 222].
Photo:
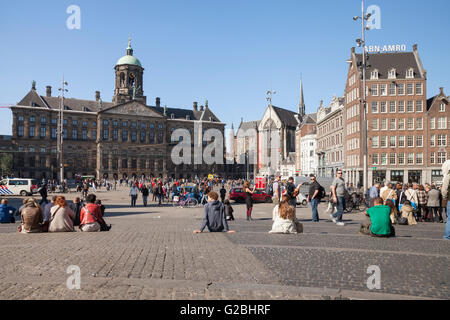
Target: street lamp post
[61, 131]
[362, 42]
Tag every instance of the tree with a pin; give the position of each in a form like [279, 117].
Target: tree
[6, 163]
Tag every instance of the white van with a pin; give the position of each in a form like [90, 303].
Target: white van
[17, 186]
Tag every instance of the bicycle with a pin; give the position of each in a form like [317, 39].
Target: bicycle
[184, 203]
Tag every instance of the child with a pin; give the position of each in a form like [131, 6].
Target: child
[229, 210]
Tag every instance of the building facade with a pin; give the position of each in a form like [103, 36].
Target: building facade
[330, 137]
[307, 128]
[397, 117]
[122, 138]
[309, 158]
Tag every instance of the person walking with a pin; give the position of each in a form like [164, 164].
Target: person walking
[223, 193]
[43, 193]
[445, 191]
[248, 199]
[144, 191]
[338, 195]
[374, 192]
[276, 187]
[433, 204]
[313, 197]
[422, 204]
[134, 191]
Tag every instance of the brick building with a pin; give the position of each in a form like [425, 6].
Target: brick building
[330, 137]
[397, 117]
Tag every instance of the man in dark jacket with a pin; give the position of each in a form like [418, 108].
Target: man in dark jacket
[43, 193]
[223, 193]
[214, 218]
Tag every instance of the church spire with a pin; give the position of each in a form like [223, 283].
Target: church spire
[129, 49]
[301, 105]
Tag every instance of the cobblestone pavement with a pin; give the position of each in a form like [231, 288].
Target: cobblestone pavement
[151, 253]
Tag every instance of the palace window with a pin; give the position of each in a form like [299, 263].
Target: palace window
[32, 132]
[43, 132]
[75, 123]
[94, 134]
[74, 134]
[54, 133]
[115, 135]
[105, 134]
[133, 136]
[43, 120]
[84, 134]
[124, 135]
[20, 131]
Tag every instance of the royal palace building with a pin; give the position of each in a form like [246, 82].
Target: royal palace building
[122, 138]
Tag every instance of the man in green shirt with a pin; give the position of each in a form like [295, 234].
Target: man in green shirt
[379, 224]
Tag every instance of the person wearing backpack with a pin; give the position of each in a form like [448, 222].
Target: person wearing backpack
[314, 198]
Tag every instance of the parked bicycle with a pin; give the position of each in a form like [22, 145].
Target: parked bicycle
[355, 202]
[184, 202]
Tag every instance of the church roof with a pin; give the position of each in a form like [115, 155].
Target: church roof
[129, 60]
[286, 116]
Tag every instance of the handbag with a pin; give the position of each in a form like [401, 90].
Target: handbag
[402, 221]
[103, 225]
[299, 227]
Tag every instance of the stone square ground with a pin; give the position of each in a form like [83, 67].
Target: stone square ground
[151, 253]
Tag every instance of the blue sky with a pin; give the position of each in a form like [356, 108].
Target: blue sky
[229, 52]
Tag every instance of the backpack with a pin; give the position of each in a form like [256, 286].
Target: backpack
[322, 192]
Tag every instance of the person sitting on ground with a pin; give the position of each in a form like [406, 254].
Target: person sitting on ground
[394, 211]
[47, 208]
[7, 212]
[407, 211]
[31, 216]
[90, 215]
[62, 216]
[229, 210]
[389, 193]
[283, 216]
[102, 207]
[379, 222]
[76, 208]
[214, 218]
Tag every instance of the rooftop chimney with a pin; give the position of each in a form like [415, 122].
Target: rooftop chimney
[201, 108]
[195, 106]
[158, 102]
[415, 47]
[48, 91]
[442, 90]
[206, 104]
[97, 95]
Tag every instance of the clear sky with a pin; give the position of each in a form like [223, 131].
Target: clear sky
[229, 52]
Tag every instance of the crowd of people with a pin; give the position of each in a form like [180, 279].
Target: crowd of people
[58, 215]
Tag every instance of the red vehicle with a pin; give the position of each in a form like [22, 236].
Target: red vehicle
[238, 195]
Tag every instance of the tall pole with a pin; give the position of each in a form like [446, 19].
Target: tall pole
[365, 168]
[61, 132]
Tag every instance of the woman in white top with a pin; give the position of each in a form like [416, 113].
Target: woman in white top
[284, 217]
[61, 219]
